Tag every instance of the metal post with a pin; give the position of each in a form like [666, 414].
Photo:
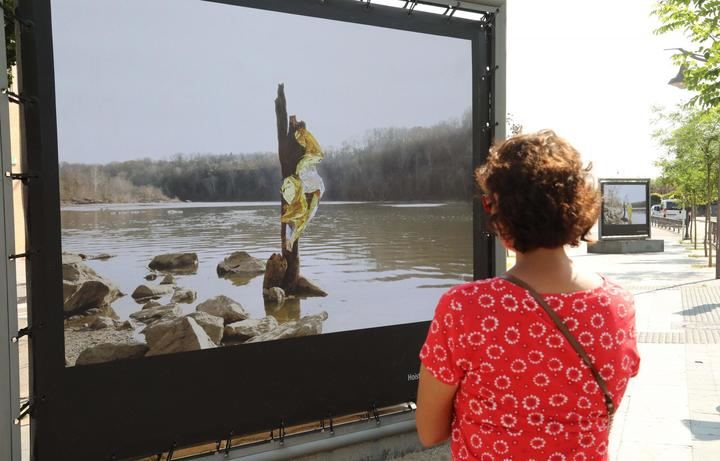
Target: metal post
[9, 362]
[717, 229]
[500, 106]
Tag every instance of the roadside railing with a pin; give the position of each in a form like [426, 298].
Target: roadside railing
[673, 225]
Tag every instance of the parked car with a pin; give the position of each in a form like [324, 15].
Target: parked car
[655, 211]
[671, 209]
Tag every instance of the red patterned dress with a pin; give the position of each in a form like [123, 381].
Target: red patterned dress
[523, 393]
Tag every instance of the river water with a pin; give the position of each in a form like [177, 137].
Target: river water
[381, 263]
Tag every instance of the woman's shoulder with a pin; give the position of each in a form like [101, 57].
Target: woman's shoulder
[471, 290]
[613, 291]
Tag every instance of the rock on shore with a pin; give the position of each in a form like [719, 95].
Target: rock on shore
[175, 262]
[182, 295]
[186, 336]
[148, 292]
[306, 326]
[153, 314]
[240, 263]
[77, 340]
[249, 328]
[222, 306]
[306, 287]
[274, 295]
[212, 325]
[84, 289]
[108, 352]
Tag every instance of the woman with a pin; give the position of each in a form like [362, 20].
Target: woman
[498, 375]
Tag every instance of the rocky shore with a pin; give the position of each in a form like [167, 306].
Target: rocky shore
[94, 332]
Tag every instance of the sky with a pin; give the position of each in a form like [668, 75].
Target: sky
[592, 71]
[628, 192]
[152, 79]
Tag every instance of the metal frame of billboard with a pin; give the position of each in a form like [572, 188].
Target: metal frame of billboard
[10, 446]
[624, 231]
[141, 407]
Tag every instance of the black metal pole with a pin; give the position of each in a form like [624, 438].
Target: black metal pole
[483, 130]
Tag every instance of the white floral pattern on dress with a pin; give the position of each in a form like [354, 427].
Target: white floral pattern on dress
[523, 392]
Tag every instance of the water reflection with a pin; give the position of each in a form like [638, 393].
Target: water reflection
[381, 264]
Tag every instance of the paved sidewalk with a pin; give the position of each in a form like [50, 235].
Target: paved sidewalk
[671, 410]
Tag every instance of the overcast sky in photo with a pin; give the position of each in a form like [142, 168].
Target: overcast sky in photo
[151, 79]
[632, 193]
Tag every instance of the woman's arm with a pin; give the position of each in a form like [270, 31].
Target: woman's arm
[434, 408]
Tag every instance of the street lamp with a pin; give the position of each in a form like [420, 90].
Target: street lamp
[678, 81]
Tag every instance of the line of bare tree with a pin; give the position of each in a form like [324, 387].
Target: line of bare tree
[391, 164]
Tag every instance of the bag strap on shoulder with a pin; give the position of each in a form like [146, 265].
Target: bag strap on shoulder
[609, 404]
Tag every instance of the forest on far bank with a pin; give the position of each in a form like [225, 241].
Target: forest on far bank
[390, 164]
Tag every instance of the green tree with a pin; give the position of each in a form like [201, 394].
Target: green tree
[693, 152]
[9, 6]
[700, 21]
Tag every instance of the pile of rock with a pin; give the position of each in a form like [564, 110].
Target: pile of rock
[215, 322]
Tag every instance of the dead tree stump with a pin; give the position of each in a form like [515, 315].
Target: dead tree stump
[289, 152]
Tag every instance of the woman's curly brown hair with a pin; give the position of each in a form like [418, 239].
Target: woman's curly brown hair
[542, 196]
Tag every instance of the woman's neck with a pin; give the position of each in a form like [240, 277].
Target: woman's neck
[544, 262]
[550, 270]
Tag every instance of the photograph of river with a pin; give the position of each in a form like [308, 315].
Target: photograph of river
[171, 202]
[624, 204]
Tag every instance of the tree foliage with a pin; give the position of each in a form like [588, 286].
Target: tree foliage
[10, 47]
[700, 21]
[692, 153]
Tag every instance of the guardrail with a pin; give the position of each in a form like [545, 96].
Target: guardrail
[674, 225]
[678, 225]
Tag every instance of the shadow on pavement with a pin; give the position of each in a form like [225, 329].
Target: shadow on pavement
[703, 430]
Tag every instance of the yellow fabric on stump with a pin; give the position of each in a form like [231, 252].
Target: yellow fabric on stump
[306, 180]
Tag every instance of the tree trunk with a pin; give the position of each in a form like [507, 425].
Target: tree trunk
[289, 152]
[717, 227]
[708, 217]
[694, 215]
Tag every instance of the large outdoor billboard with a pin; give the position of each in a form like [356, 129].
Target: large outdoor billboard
[244, 204]
[625, 208]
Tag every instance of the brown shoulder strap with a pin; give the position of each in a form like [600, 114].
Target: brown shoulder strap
[569, 336]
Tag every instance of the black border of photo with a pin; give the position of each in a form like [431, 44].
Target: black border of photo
[616, 231]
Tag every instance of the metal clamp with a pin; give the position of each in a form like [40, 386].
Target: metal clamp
[228, 445]
[281, 432]
[25, 409]
[22, 332]
[412, 3]
[13, 257]
[18, 98]
[488, 72]
[22, 177]
[375, 413]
